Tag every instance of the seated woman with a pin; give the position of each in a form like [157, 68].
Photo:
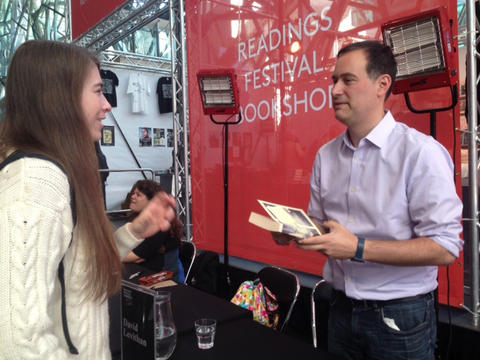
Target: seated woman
[160, 251]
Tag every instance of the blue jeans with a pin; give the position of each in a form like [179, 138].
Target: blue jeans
[401, 330]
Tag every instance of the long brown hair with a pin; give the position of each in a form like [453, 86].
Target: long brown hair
[43, 114]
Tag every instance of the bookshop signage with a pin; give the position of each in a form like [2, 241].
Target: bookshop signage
[283, 54]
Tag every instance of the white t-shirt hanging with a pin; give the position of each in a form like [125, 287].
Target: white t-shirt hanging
[140, 89]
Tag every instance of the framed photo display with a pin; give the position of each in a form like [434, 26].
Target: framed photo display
[145, 136]
[108, 136]
[159, 137]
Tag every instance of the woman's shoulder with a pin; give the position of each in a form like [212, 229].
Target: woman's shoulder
[35, 179]
[39, 170]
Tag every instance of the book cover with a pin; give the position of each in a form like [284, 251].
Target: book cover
[285, 219]
[151, 281]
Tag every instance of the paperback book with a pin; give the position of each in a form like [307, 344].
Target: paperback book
[285, 219]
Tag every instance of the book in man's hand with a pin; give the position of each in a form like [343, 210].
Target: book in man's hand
[286, 220]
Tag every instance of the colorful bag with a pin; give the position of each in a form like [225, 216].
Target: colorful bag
[253, 296]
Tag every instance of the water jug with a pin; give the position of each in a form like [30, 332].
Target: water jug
[165, 331]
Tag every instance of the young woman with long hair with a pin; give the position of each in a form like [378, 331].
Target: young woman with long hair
[54, 107]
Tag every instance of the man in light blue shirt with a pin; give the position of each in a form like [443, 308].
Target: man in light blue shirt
[386, 195]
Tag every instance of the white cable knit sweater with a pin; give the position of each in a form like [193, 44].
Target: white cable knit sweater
[35, 232]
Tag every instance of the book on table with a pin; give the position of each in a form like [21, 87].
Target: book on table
[285, 219]
[157, 280]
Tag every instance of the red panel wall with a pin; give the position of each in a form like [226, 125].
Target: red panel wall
[287, 111]
[88, 13]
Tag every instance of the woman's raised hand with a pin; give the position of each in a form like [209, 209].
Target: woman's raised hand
[155, 217]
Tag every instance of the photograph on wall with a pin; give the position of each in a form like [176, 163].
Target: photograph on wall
[145, 136]
[159, 137]
[169, 137]
[108, 136]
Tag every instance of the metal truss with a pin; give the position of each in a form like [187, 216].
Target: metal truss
[128, 18]
[180, 112]
[120, 59]
[473, 222]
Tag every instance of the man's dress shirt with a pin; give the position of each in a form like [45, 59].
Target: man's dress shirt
[397, 185]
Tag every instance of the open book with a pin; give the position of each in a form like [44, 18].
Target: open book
[285, 219]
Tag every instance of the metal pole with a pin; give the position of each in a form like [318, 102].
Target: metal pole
[472, 152]
[126, 142]
[68, 21]
[225, 211]
[175, 69]
[180, 113]
[186, 129]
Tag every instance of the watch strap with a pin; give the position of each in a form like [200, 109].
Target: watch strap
[360, 247]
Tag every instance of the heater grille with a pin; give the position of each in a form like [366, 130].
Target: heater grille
[218, 91]
[417, 48]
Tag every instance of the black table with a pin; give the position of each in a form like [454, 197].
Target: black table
[245, 339]
[237, 336]
[190, 304]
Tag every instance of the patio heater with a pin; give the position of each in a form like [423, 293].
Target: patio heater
[219, 93]
[423, 48]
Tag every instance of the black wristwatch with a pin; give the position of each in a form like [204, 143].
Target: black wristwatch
[360, 247]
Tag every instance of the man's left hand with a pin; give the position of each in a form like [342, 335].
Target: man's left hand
[339, 243]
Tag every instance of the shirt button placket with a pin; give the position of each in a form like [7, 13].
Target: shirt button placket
[354, 176]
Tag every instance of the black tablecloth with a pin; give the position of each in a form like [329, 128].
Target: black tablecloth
[237, 337]
[190, 304]
[245, 339]
[132, 272]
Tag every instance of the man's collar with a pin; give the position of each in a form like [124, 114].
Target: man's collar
[378, 136]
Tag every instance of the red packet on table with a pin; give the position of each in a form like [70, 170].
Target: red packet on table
[153, 279]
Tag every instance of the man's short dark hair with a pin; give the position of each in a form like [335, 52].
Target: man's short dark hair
[380, 59]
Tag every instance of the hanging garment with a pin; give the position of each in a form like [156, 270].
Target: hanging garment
[139, 89]
[164, 93]
[110, 81]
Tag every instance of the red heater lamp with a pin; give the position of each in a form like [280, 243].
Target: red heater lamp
[422, 46]
[219, 92]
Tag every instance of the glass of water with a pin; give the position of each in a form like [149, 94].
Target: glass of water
[165, 331]
[205, 330]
